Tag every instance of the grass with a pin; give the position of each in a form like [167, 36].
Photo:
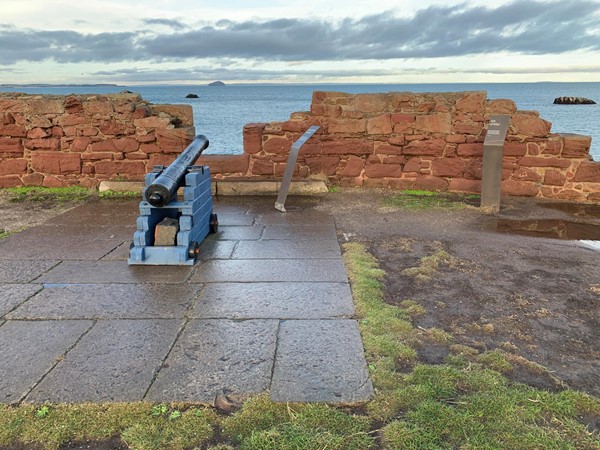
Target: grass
[420, 199]
[466, 403]
[48, 195]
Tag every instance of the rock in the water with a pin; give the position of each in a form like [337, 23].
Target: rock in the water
[573, 101]
[191, 96]
[216, 83]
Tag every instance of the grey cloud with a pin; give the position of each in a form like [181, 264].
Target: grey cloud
[523, 26]
[175, 24]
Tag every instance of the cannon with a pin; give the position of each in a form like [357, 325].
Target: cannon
[170, 230]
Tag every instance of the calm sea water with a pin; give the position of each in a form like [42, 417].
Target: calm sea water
[220, 112]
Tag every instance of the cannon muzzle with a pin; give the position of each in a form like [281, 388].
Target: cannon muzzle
[165, 186]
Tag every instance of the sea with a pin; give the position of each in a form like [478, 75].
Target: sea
[220, 112]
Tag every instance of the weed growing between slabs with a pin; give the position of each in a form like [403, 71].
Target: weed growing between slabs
[467, 402]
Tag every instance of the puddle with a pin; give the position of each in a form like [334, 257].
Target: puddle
[579, 210]
[550, 228]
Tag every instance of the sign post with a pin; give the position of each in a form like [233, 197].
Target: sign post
[493, 147]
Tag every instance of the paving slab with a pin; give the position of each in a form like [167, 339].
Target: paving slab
[120, 253]
[296, 217]
[57, 243]
[116, 361]
[304, 232]
[217, 356]
[220, 207]
[320, 361]
[256, 270]
[239, 233]
[274, 301]
[108, 301]
[100, 213]
[284, 249]
[12, 295]
[24, 271]
[236, 219]
[77, 272]
[30, 349]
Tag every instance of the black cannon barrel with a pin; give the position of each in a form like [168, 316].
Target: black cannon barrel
[166, 184]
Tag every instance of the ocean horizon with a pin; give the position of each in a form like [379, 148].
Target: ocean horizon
[220, 112]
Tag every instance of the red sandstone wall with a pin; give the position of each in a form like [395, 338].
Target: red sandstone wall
[78, 139]
[425, 141]
[399, 140]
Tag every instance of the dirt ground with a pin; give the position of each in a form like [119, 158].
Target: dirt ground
[536, 298]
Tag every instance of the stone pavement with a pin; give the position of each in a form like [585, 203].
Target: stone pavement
[268, 309]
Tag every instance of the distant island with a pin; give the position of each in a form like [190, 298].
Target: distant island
[216, 83]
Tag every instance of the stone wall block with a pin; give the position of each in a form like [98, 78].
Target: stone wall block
[46, 106]
[500, 106]
[371, 103]
[347, 126]
[520, 188]
[588, 171]
[56, 163]
[13, 130]
[379, 125]
[434, 123]
[472, 128]
[383, 170]
[120, 168]
[431, 183]
[277, 145]
[529, 125]
[554, 177]
[575, 146]
[69, 120]
[152, 122]
[11, 146]
[432, 147]
[10, 181]
[448, 167]
[387, 149]
[470, 150]
[544, 161]
[463, 185]
[261, 167]
[42, 144]
[151, 148]
[347, 147]
[352, 167]
[526, 174]
[326, 165]
[13, 167]
[252, 137]
[472, 102]
[173, 140]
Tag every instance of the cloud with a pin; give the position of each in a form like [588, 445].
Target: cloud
[532, 27]
[175, 24]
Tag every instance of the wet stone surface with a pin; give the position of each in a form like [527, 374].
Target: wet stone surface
[330, 369]
[30, 349]
[274, 301]
[16, 271]
[12, 295]
[108, 301]
[115, 361]
[218, 356]
[85, 326]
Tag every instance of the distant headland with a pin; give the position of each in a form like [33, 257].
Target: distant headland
[43, 85]
[216, 83]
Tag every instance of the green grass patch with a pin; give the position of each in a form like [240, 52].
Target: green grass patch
[119, 194]
[262, 424]
[48, 195]
[5, 233]
[419, 199]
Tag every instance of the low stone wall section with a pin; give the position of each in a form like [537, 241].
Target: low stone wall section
[425, 141]
[400, 140]
[84, 139]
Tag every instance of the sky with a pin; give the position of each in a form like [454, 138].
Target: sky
[131, 42]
